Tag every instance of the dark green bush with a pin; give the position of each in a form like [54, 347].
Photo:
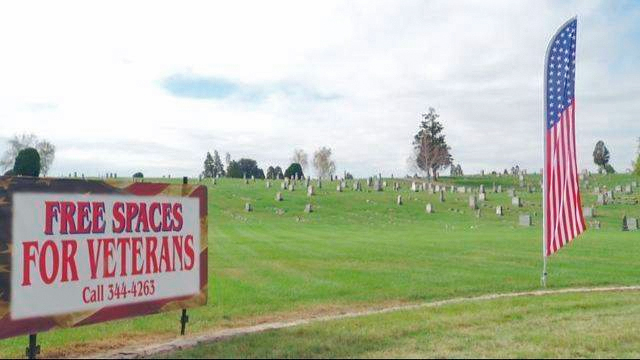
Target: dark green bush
[292, 170]
[27, 163]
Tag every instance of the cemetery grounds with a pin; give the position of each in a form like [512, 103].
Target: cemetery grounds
[359, 250]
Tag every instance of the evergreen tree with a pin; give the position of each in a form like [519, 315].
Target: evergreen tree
[601, 156]
[431, 149]
[208, 166]
[218, 168]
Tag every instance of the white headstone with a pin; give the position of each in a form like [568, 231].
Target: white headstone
[515, 201]
[473, 202]
[525, 220]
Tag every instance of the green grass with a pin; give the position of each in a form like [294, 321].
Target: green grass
[597, 325]
[360, 249]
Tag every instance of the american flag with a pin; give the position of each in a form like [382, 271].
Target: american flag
[562, 205]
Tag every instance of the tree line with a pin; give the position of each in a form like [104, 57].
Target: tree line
[323, 164]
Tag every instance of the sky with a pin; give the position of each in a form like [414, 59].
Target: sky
[152, 86]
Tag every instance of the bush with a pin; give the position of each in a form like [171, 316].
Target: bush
[244, 167]
[27, 163]
[293, 169]
[138, 175]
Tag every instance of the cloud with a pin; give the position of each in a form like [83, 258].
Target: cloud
[156, 94]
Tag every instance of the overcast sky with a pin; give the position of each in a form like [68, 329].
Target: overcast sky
[128, 86]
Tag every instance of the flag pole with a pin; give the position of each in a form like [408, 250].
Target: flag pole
[543, 279]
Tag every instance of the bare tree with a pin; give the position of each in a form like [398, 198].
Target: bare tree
[45, 149]
[47, 153]
[300, 157]
[322, 162]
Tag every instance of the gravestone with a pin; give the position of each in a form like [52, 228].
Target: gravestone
[396, 186]
[308, 208]
[515, 201]
[495, 189]
[253, 178]
[278, 196]
[437, 188]
[462, 190]
[595, 225]
[339, 188]
[472, 202]
[524, 220]
[499, 189]
[441, 196]
[414, 187]
[319, 183]
[596, 190]
[481, 191]
[248, 207]
[267, 183]
[292, 187]
[632, 224]
[356, 186]
[588, 212]
[618, 188]
[482, 197]
[602, 199]
[283, 185]
[384, 184]
[511, 192]
[215, 181]
[429, 208]
[628, 190]
[479, 213]
[369, 182]
[399, 200]
[499, 211]
[610, 195]
[377, 185]
[310, 191]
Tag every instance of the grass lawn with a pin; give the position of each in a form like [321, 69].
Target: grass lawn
[602, 325]
[359, 249]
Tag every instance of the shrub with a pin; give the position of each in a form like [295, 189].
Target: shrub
[27, 163]
[292, 170]
[138, 175]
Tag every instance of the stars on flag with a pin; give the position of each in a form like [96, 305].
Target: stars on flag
[561, 71]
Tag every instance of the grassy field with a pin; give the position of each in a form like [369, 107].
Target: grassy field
[359, 249]
[562, 326]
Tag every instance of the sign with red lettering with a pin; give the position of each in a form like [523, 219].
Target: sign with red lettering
[75, 252]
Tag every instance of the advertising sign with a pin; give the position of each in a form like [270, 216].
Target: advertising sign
[75, 252]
